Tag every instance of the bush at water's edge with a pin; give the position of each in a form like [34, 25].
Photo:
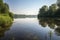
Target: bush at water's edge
[6, 17]
[5, 21]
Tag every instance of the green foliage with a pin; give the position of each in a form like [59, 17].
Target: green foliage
[11, 14]
[1, 1]
[49, 12]
[6, 17]
[57, 13]
[6, 5]
[58, 3]
[4, 9]
[53, 8]
[5, 21]
[43, 10]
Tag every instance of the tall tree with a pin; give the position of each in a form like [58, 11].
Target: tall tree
[52, 9]
[1, 1]
[58, 3]
[43, 10]
[6, 5]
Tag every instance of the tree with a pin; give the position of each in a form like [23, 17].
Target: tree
[54, 7]
[11, 14]
[6, 5]
[4, 8]
[52, 11]
[43, 10]
[58, 3]
[57, 13]
[6, 16]
[1, 4]
[1, 1]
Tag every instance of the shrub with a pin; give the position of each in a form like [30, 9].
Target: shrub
[5, 21]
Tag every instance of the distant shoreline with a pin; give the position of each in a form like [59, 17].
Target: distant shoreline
[25, 16]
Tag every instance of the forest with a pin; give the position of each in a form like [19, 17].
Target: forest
[52, 11]
[6, 17]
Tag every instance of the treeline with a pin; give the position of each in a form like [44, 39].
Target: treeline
[24, 16]
[51, 11]
[19, 16]
[6, 17]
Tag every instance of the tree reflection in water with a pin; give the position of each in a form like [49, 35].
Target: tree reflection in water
[57, 31]
[3, 30]
[53, 23]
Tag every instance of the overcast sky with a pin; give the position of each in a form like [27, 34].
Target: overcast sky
[28, 7]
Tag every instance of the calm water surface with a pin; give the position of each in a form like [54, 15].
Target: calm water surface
[29, 29]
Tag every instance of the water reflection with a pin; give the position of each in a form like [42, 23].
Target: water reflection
[22, 29]
[3, 30]
[53, 23]
[57, 31]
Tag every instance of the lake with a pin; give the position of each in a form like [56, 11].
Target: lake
[31, 29]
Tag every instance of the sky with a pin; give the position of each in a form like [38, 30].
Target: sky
[27, 7]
